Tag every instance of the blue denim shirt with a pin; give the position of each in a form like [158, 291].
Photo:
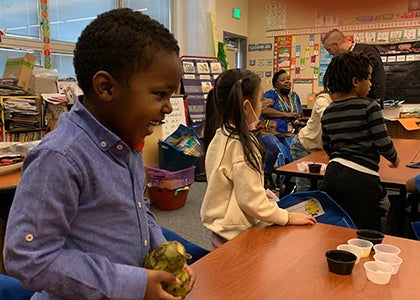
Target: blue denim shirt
[79, 226]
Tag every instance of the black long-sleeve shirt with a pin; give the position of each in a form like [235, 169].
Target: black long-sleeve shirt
[354, 129]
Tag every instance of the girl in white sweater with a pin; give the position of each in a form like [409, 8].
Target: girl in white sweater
[235, 198]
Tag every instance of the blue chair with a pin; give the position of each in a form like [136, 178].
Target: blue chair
[284, 155]
[314, 202]
[12, 289]
[196, 251]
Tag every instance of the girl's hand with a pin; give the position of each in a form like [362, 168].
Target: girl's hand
[297, 218]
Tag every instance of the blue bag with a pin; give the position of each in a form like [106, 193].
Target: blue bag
[318, 204]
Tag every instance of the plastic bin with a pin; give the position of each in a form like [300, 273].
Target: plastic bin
[180, 150]
[165, 199]
[170, 180]
[172, 158]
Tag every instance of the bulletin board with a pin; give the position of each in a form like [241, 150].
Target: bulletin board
[302, 57]
[198, 77]
[402, 66]
[303, 87]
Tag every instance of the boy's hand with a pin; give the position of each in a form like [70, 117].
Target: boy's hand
[192, 275]
[154, 289]
[395, 163]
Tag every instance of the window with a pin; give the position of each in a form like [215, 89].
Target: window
[157, 9]
[67, 19]
[20, 20]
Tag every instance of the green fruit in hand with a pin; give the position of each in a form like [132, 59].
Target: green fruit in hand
[171, 257]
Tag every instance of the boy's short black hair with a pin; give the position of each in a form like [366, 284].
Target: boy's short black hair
[121, 42]
[342, 69]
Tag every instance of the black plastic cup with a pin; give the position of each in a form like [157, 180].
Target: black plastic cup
[373, 236]
[314, 168]
[340, 262]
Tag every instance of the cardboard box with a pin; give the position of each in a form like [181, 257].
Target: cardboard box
[41, 85]
[21, 69]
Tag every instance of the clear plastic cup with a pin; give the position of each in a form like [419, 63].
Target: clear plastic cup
[353, 249]
[386, 248]
[390, 259]
[364, 244]
[378, 272]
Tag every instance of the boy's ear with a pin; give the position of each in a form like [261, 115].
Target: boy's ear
[355, 81]
[104, 85]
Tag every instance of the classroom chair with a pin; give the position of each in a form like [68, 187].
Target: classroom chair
[12, 289]
[284, 157]
[416, 228]
[320, 205]
[196, 251]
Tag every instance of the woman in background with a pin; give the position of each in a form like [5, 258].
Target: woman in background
[281, 108]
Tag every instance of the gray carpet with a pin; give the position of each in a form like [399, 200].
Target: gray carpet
[186, 220]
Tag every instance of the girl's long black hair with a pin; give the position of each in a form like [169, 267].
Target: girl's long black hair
[224, 108]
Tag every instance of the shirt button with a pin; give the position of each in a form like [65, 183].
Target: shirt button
[145, 243]
[103, 144]
[119, 147]
[29, 237]
[139, 204]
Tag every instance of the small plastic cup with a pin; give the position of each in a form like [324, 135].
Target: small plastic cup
[390, 259]
[314, 168]
[364, 244]
[340, 262]
[386, 248]
[378, 272]
[353, 249]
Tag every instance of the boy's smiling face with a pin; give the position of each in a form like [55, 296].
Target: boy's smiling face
[133, 109]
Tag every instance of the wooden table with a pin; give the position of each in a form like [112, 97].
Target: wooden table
[10, 181]
[289, 262]
[395, 178]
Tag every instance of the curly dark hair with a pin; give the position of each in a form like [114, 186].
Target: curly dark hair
[342, 69]
[224, 108]
[276, 76]
[120, 42]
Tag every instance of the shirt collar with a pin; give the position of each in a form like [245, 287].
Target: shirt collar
[104, 138]
[353, 44]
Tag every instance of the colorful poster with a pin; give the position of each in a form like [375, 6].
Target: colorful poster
[282, 51]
